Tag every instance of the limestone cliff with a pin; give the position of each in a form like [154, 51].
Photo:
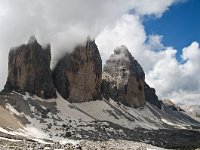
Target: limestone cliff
[78, 75]
[123, 79]
[29, 70]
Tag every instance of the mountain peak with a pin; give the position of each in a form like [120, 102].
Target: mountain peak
[29, 70]
[121, 50]
[124, 78]
[32, 39]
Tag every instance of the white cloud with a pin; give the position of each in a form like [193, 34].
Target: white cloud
[179, 82]
[127, 31]
[62, 23]
[149, 7]
[155, 42]
[172, 79]
[65, 23]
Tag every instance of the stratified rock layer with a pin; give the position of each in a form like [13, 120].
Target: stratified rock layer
[78, 75]
[29, 70]
[123, 79]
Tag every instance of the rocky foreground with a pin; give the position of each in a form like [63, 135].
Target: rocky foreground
[164, 139]
[81, 145]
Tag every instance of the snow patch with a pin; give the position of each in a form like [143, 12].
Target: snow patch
[168, 122]
[12, 110]
[7, 139]
[26, 96]
[172, 124]
[6, 131]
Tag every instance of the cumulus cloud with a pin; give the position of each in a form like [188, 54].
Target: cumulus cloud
[129, 31]
[112, 23]
[155, 42]
[156, 7]
[178, 81]
[63, 23]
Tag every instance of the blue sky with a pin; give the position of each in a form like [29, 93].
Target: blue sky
[179, 26]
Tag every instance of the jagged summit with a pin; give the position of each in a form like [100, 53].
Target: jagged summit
[29, 70]
[119, 58]
[123, 60]
[123, 78]
[121, 50]
[78, 75]
[32, 39]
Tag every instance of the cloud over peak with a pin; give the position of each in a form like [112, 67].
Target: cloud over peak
[112, 23]
[178, 81]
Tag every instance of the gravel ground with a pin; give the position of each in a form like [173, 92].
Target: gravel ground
[82, 145]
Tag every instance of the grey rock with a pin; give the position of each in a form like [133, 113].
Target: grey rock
[123, 79]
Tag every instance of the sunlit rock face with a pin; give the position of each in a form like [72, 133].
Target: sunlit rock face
[78, 75]
[29, 70]
[123, 79]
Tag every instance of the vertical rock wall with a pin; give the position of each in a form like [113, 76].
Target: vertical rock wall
[29, 70]
[78, 75]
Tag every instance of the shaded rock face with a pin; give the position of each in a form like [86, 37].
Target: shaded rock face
[78, 75]
[151, 97]
[123, 79]
[29, 70]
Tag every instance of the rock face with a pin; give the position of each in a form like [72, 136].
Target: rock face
[150, 95]
[29, 70]
[78, 75]
[123, 79]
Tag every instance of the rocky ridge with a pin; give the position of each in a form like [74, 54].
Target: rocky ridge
[169, 104]
[191, 109]
[78, 76]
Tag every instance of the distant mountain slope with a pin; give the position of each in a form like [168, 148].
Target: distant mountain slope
[191, 109]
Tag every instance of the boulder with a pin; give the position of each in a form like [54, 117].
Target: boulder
[78, 75]
[29, 70]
